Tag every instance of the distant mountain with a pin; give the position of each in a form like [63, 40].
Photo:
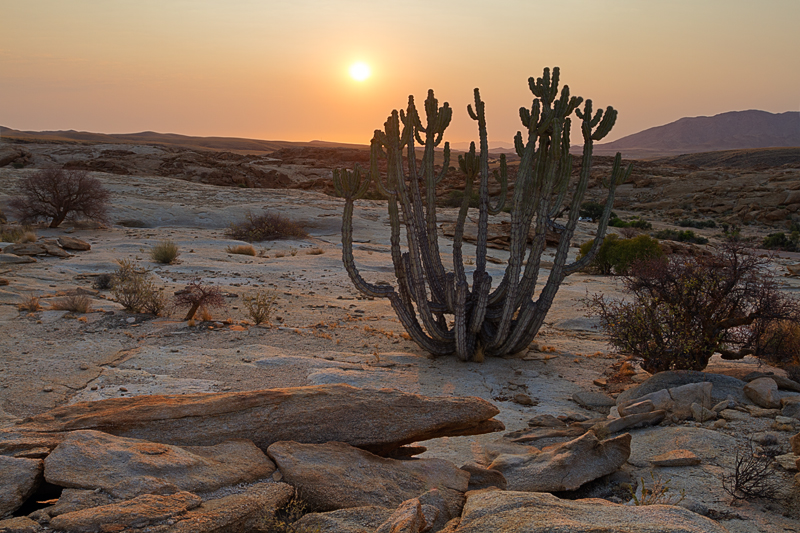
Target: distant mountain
[227, 144]
[735, 130]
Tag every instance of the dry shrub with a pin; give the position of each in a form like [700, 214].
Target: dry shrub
[56, 194]
[28, 236]
[79, 303]
[30, 304]
[17, 234]
[779, 343]
[165, 252]
[267, 226]
[657, 494]
[242, 249]
[196, 295]
[260, 305]
[315, 251]
[135, 289]
[753, 475]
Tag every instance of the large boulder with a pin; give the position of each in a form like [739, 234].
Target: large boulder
[566, 466]
[127, 467]
[506, 512]
[378, 420]
[723, 386]
[350, 520]
[336, 475]
[764, 393]
[19, 478]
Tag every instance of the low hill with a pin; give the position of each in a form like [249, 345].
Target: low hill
[227, 144]
[735, 130]
[760, 158]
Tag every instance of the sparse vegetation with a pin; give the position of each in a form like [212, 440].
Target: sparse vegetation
[681, 236]
[79, 303]
[165, 252]
[593, 211]
[267, 226]
[260, 305]
[634, 222]
[657, 494]
[17, 234]
[241, 249]
[753, 476]
[30, 304]
[196, 295]
[617, 255]
[135, 289]
[455, 198]
[284, 518]
[103, 282]
[315, 251]
[683, 309]
[780, 241]
[55, 195]
[699, 224]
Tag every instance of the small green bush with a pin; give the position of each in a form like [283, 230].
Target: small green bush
[680, 236]
[165, 252]
[634, 222]
[699, 224]
[779, 241]
[267, 226]
[616, 255]
[593, 211]
[455, 198]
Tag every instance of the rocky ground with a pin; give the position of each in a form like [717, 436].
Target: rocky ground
[324, 333]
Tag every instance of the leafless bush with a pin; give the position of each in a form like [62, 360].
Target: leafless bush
[196, 295]
[55, 194]
[753, 475]
[260, 305]
[79, 303]
[657, 494]
[267, 226]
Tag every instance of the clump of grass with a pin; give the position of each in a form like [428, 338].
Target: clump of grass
[681, 236]
[17, 234]
[315, 251]
[79, 303]
[242, 249]
[30, 304]
[657, 494]
[28, 236]
[267, 226]
[165, 252]
[103, 282]
[260, 305]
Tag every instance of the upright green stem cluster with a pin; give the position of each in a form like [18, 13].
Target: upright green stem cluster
[484, 321]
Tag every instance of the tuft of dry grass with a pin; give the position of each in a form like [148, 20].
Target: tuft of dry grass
[242, 249]
[315, 251]
[28, 236]
[30, 304]
[79, 303]
[165, 252]
[260, 305]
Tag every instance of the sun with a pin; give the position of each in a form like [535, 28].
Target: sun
[359, 71]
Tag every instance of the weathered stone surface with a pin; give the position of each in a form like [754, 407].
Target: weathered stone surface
[534, 434]
[734, 415]
[788, 461]
[352, 520]
[594, 400]
[19, 478]
[12, 259]
[407, 518]
[245, 511]
[19, 524]
[481, 477]
[702, 414]
[566, 466]
[685, 395]
[336, 475]
[660, 399]
[609, 427]
[71, 243]
[25, 248]
[676, 458]
[764, 393]
[760, 412]
[724, 386]
[782, 382]
[377, 420]
[430, 512]
[129, 467]
[548, 421]
[136, 513]
[53, 248]
[72, 500]
[791, 407]
[794, 442]
[506, 512]
[645, 406]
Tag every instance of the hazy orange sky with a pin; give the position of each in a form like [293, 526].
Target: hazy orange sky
[278, 69]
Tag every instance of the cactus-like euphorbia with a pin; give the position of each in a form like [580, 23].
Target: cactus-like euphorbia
[439, 308]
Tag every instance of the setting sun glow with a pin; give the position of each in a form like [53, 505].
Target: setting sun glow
[359, 71]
